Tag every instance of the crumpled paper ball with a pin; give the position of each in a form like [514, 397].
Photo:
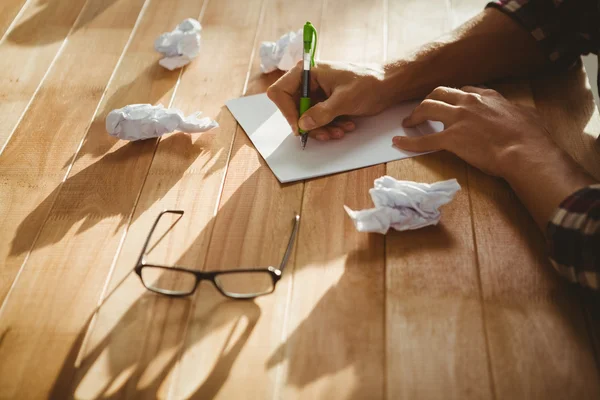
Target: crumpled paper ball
[179, 46]
[403, 205]
[145, 121]
[283, 54]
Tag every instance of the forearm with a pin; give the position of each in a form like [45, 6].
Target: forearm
[489, 46]
[565, 203]
[543, 179]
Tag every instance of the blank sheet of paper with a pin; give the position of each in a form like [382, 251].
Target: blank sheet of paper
[369, 144]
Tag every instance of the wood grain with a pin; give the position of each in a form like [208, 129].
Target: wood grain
[46, 307]
[187, 172]
[533, 317]
[8, 12]
[574, 123]
[334, 344]
[28, 51]
[467, 309]
[236, 343]
[434, 321]
[37, 158]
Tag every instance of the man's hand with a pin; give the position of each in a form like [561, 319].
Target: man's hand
[338, 91]
[501, 139]
[480, 126]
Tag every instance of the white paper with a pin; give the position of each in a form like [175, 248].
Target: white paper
[145, 121]
[403, 205]
[369, 144]
[179, 46]
[283, 54]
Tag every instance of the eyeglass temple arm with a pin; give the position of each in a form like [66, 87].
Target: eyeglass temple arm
[163, 212]
[290, 246]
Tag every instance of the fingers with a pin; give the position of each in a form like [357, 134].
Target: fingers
[322, 113]
[447, 95]
[290, 82]
[326, 133]
[336, 130]
[475, 89]
[345, 123]
[282, 94]
[420, 144]
[481, 90]
[432, 110]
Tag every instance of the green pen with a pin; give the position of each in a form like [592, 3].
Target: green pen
[310, 46]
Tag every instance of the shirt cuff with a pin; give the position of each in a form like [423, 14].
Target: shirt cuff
[573, 237]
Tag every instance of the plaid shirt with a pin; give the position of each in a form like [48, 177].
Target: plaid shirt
[566, 29]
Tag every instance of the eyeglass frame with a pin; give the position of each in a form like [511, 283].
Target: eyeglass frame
[275, 273]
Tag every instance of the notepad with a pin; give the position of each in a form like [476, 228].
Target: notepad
[369, 144]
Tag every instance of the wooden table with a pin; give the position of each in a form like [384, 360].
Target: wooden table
[467, 309]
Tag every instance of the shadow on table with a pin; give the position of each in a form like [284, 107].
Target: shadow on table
[331, 329]
[3, 335]
[514, 297]
[342, 331]
[339, 335]
[41, 28]
[93, 207]
[135, 371]
[142, 368]
[128, 365]
[336, 335]
[112, 191]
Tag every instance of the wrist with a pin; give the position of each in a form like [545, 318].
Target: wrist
[542, 177]
[521, 164]
[399, 82]
[415, 76]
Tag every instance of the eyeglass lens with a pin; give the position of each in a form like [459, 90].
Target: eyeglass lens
[167, 280]
[233, 283]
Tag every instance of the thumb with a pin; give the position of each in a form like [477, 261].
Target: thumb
[321, 114]
[420, 144]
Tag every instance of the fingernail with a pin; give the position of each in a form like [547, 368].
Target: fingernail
[350, 125]
[397, 140]
[337, 134]
[307, 123]
[322, 136]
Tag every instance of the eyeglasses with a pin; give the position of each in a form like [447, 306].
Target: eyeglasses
[177, 281]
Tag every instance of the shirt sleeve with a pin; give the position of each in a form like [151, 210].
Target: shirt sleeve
[565, 29]
[574, 237]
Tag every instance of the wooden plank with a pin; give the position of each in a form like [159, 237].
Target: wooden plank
[37, 158]
[574, 122]
[27, 53]
[41, 313]
[436, 344]
[536, 334]
[187, 172]
[8, 12]
[251, 230]
[538, 341]
[334, 343]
